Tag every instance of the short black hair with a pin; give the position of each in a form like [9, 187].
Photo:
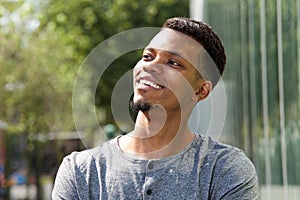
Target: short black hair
[205, 36]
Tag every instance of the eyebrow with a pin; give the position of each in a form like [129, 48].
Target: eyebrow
[175, 53]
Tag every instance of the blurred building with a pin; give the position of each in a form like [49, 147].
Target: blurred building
[32, 162]
[262, 84]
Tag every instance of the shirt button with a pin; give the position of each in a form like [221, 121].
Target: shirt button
[150, 165]
[149, 192]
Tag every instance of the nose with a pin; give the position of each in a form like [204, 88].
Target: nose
[153, 68]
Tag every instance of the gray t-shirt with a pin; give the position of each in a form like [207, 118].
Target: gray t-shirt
[205, 169]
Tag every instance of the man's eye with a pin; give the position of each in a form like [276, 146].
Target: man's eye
[147, 57]
[174, 63]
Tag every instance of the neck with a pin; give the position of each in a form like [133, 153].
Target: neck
[157, 134]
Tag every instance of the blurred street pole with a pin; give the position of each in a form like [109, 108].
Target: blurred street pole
[36, 158]
[198, 10]
[2, 162]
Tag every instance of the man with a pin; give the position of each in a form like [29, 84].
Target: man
[161, 158]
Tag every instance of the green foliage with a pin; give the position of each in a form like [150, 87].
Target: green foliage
[43, 45]
[36, 83]
[87, 23]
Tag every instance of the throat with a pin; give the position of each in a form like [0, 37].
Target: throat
[161, 145]
[157, 134]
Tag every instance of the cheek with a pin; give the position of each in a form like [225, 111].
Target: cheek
[193, 78]
[180, 84]
[137, 66]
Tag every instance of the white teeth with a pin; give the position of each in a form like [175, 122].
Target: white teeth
[146, 82]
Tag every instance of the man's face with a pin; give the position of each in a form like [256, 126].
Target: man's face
[166, 75]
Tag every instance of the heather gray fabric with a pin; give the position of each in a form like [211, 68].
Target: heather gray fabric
[205, 169]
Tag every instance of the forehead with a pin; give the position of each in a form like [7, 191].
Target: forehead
[177, 43]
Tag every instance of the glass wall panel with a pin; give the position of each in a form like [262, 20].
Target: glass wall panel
[262, 81]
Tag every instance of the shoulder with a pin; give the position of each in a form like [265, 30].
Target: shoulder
[74, 175]
[226, 157]
[221, 152]
[80, 159]
[232, 173]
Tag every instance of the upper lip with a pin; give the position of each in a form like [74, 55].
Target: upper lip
[150, 81]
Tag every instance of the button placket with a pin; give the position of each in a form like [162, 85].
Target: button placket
[148, 192]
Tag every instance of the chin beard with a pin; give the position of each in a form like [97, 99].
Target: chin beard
[141, 106]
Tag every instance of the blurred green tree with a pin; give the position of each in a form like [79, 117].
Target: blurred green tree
[42, 46]
[87, 23]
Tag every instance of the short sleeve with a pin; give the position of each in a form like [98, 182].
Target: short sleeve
[235, 178]
[65, 182]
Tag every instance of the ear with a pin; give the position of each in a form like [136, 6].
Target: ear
[203, 91]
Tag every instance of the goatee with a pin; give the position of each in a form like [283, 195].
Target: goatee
[136, 107]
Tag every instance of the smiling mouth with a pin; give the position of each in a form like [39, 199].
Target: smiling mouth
[151, 84]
